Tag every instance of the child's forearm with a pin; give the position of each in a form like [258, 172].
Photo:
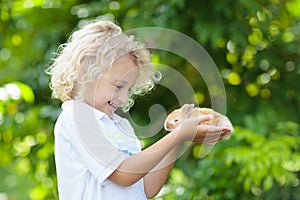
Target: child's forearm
[160, 173]
[137, 166]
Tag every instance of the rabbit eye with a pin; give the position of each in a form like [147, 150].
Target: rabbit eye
[176, 120]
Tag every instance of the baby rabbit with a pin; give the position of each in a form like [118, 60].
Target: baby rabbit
[188, 110]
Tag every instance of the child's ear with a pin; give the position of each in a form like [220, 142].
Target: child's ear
[187, 109]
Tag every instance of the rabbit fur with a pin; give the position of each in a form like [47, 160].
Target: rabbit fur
[188, 111]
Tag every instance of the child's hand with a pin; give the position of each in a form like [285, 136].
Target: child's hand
[191, 129]
[175, 118]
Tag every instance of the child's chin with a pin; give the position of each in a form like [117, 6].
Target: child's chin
[111, 109]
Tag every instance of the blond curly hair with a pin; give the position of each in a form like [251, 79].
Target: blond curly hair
[92, 50]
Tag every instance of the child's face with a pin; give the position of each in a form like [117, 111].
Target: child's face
[112, 90]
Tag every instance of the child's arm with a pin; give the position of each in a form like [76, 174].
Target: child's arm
[160, 173]
[137, 166]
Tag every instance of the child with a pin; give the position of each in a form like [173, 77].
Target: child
[97, 153]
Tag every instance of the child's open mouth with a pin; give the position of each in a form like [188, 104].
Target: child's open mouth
[112, 105]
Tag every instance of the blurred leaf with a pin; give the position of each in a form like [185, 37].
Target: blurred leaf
[26, 92]
[255, 45]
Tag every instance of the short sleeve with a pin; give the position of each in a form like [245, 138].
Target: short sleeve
[90, 144]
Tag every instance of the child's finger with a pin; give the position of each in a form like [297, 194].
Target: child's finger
[208, 139]
[210, 129]
[199, 119]
[205, 118]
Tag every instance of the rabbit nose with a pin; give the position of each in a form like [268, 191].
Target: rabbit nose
[167, 127]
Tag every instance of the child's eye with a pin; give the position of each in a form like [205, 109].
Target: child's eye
[118, 87]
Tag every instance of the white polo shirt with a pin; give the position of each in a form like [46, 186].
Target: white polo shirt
[89, 146]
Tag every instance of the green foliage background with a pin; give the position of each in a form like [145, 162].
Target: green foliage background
[256, 46]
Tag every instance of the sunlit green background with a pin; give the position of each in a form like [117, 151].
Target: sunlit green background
[256, 46]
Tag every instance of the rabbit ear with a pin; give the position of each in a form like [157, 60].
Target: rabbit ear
[187, 109]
